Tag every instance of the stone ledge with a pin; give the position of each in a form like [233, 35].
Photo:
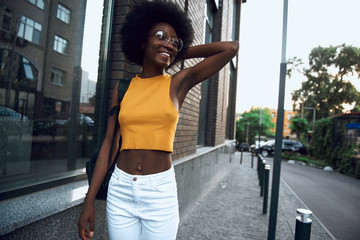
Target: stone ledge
[21, 211]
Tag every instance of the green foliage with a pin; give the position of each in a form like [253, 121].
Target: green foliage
[343, 160]
[327, 86]
[252, 117]
[293, 64]
[339, 157]
[299, 126]
[357, 170]
[322, 142]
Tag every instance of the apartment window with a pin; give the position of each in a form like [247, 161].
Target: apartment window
[235, 21]
[289, 117]
[57, 77]
[29, 30]
[38, 3]
[60, 44]
[6, 19]
[203, 114]
[28, 71]
[209, 21]
[63, 14]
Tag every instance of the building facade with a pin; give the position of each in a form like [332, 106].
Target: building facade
[41, 51]
[288, 114]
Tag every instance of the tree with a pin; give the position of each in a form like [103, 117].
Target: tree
[327, 86]
[299, 126]
[253, 118]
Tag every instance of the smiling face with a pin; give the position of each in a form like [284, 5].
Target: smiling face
[158, 52]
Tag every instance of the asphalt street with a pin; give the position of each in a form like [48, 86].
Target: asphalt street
[332, 197]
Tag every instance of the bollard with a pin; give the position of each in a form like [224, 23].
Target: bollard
[303, 224]
[263, 163]
[252, 160]
[258, 166]
[266, 188]
[241, 156]
[259, 170]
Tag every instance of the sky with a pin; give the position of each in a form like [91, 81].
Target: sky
[91, 43]
[311, 23]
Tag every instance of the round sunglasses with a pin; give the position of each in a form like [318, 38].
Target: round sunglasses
[163, 36]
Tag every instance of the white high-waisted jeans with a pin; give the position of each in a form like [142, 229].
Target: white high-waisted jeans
[142, 206]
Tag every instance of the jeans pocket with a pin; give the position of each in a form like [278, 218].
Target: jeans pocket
[165, 185]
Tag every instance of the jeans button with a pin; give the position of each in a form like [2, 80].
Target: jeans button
[134, 179]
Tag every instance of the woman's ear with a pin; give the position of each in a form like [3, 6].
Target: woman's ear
[142, 46]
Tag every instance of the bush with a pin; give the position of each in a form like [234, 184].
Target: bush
[321, 146]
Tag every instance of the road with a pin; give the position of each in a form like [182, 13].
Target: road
[333, 198]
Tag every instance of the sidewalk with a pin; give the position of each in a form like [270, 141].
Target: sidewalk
[233, 209]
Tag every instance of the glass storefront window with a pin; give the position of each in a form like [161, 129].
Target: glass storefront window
[46, 98]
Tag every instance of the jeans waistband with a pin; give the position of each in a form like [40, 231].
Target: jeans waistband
[156, 176]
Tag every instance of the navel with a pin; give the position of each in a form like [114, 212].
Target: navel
[139, 168]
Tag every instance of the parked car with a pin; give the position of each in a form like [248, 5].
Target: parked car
[49, 126]
[254, 147]
[13, 122]
[287, 146]
[294, 146]
[267, 148]
[243, 147]
[59, 127]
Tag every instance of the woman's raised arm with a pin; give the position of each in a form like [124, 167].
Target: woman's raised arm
[216, 54]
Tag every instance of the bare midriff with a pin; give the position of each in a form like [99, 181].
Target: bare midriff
[144, 162]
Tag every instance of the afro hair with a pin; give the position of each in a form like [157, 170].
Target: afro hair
[143, 17]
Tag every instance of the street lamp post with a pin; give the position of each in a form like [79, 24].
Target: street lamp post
[314, 115]
[279, 131]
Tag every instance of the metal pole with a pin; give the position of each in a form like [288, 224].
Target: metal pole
[241, 156]
[260, 113]
[266, 188]
[279, 132]
[314, 114]
[247, 132]
[252, 160]
[258, 150]
[262, 178]
[258, 167]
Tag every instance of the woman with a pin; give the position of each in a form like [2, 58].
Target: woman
[142, 196]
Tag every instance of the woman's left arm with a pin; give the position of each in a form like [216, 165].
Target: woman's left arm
[216, 54]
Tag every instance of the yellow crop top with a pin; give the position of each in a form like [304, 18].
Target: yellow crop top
[147, 116]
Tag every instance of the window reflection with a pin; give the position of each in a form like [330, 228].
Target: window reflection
[46, 98]
[60, 44]
[63, 14]
[29, 30]
[38, 3]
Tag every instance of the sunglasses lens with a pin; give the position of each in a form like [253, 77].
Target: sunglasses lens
[161, 35]
[178, 43]
[175, 41]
